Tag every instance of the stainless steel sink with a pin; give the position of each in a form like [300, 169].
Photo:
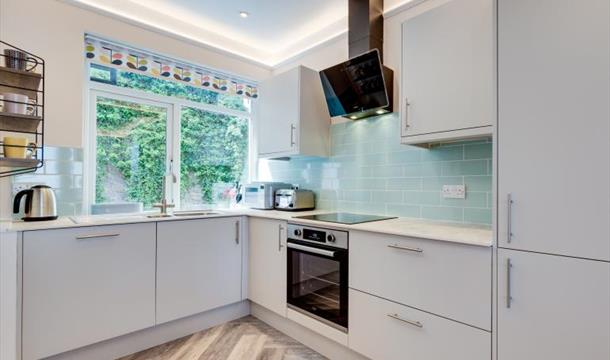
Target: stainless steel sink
[196, 213]
[184, 213]
[155, 216]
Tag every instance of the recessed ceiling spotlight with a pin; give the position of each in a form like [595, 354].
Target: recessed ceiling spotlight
[244, 14]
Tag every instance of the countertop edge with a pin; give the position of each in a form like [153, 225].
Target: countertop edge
[480, 236]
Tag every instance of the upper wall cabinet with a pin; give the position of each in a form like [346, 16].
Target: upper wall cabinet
[447, 73]
[293, 118]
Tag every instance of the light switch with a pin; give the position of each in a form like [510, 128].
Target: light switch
[454, 191]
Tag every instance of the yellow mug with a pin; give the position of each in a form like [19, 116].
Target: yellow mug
[15, 147]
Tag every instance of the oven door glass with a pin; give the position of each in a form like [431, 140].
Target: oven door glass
[317, 284]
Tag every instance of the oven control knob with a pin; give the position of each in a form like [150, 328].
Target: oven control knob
[331, 238]
[297, 232]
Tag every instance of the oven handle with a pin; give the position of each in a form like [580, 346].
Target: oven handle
[312, 250]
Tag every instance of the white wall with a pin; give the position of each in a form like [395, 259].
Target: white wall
[54, 31]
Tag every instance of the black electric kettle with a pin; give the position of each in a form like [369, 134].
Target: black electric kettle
[40, 203]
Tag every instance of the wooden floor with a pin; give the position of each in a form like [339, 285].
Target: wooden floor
[244, 339]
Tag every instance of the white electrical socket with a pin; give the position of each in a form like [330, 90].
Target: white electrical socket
[454, 191]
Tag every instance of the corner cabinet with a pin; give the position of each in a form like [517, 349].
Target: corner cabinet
[198, 266]
[447, 90]
[85, 285]
[267, 264]
[293, 118]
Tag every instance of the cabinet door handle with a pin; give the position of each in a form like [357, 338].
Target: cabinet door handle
[406, 248]
[410, 322]
[94, 236]
[509, 297]
[292, 129]
[509, 217]
[237, 232]
[407, 104]
[279, 238]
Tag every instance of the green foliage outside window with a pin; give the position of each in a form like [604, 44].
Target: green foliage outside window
[131, 142]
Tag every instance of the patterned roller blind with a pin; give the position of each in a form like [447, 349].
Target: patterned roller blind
[141, 62]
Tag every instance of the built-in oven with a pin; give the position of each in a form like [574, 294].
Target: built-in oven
[317, 273]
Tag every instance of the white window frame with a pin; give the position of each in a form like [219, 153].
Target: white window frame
[174, 106]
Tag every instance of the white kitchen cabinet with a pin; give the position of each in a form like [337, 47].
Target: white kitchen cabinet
[293, 118]
[559, 308]
[554, 126]
[447, 90]
[267, 264]
[199, 266]
[85, 285]
[381, 329]
[451, 280]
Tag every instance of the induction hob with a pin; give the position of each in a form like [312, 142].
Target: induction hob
[344, 218]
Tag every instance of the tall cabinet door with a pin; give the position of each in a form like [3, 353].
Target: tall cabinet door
[198, 266]
[447, 66]
[559, 307]
[554, 126]
[267, 262]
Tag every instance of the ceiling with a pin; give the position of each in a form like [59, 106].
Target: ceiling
[273, 32]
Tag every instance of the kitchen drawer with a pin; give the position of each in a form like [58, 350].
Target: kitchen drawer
[384, 330]
[451, 280]
[85, 285]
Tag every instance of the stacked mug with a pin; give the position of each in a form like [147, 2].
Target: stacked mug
[20, 104]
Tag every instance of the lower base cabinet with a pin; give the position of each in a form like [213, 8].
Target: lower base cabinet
[85, 285]
[199, 266]
[267, 264]
[552, 307]
[384, 330]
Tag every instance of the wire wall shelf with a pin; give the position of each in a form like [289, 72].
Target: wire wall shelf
[22, 103]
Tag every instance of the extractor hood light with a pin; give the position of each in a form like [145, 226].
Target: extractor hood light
[379, 112]
[353, 117]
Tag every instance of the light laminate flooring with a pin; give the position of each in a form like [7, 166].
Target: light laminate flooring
[243, 339]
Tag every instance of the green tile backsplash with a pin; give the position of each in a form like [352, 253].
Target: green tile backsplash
[370, 171]
[63, 171]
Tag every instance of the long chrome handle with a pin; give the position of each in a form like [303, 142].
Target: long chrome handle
[407, 104]
[292, 129]
[410, 322]
[312, 250]
[237, 232]
[509, 297]
[406, 248]
[509, 217]
[279, 238]
[94, 236]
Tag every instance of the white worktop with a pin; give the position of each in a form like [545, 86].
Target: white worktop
[478, 235]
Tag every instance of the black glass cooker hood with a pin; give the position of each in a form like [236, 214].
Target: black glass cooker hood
[361, 86]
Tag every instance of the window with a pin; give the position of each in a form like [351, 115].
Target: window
[151, 135]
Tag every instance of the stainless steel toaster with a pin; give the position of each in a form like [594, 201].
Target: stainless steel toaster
[294, 199]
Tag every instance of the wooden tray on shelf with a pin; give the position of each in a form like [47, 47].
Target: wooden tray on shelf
[18, 163]
[19, 123]
[20, 82]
